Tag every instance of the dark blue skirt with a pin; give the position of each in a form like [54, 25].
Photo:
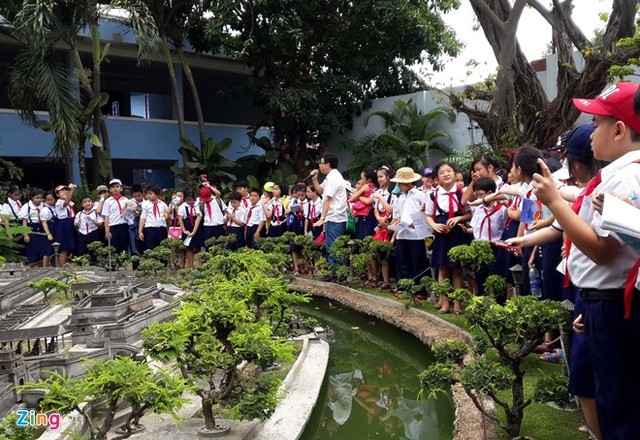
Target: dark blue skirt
[442, 243]
[39, 246]
[504, 258]
[65, 234]
[365, 225]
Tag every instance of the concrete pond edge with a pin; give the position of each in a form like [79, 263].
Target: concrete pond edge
[470, 423]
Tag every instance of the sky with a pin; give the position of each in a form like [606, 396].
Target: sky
[534, 35]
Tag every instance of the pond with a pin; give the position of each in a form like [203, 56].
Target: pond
[371, 386]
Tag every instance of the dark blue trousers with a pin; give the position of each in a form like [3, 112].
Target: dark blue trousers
[613, 344]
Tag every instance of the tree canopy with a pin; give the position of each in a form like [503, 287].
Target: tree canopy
[315, 63]
[513, 108]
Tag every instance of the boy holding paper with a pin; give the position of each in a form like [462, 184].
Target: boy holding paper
[601, 264]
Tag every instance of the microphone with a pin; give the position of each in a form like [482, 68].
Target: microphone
[307, 178]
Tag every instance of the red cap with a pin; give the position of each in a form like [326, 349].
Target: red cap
[616, 101]
[204, 194]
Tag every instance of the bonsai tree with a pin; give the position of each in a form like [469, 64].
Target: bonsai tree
[513, 331]
[117, 382]
[49, 285]
[495, 286]
[212, 333]
[472, 257]
[106, 256]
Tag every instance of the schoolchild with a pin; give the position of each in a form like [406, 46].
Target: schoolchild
[487, 220]
[38, 242]
[383, 204]
[295, 224]
[582, 169]
[65, 233]
[87, 222]
[362, 204]
[213, 212]
[132, 215]
[50, 204]
[12, 206]
[241, 186]
[460, 181]
[482, 166]
[274, 211]
[116, 228]
[190, 220]
[445, 213]
[411, 251]
[428, 182]
[236, 221]
[313, 212]
[523, 168]
[176, 200]
[487, 223]
[601, 264]
[153, 225]
[102, 192]
[255, 219]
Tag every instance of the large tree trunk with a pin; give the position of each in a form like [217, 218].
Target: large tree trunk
[82, 166]
[194, 93]
[99, 127]
[535, 119]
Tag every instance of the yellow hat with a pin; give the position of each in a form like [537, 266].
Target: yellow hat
[406, 175]
[268, 187]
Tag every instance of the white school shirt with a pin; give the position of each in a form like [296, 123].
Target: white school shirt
[488, 223]
[408, 203]
[35, 214]
[11, 208]
[64, 211]
[621, 176]
[277, 211]
[255, 215]
[334, 186]
[384, 192]
[133, 206]
[313, 210]
[85, 222]
[114, 210]
[441, 195]
[185, 209]
[217, 216]
[240, 213]
[153, 214]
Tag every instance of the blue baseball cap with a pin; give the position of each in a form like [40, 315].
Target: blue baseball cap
[579, 141]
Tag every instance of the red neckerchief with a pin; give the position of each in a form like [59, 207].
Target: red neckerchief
[117, 199]
[156, 210]
[575, 206]
[453, 200]
[86, 220]
[249, 214]
[192, 214]
[233, 214]
[487, 218]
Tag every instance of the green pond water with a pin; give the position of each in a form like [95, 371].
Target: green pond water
[371, 386]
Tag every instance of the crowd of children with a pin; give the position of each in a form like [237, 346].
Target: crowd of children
[531, 216]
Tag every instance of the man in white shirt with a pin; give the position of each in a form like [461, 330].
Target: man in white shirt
[334, 200]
